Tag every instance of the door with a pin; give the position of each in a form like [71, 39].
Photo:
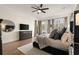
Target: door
[76, 34]
[0, 43]
[0, 40]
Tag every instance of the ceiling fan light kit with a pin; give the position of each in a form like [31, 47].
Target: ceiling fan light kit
[39, 9]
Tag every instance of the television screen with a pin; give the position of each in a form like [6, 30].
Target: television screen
[24, 27]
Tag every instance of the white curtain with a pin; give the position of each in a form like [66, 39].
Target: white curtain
[59, 23]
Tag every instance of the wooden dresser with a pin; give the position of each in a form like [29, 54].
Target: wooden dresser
[25, 35]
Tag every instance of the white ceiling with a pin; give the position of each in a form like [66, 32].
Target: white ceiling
[54, 10]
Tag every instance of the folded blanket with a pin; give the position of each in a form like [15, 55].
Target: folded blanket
[42, 41]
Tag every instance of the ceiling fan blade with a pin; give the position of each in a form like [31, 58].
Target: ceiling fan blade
[45, 9]
[34, 7]
[34, 10]
[41, 5]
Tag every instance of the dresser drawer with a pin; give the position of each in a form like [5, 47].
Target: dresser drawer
[25, 35]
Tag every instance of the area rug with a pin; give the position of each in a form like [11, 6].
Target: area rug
[28, 49]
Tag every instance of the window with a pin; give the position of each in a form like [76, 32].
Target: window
[59, 23]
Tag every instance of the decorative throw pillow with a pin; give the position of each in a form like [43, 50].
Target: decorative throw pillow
[64, 37]
[52, 33]
[56, 36]
[62, 32]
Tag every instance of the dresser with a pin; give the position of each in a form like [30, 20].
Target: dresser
[25, 35]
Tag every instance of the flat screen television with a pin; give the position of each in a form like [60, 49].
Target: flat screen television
[24, 27]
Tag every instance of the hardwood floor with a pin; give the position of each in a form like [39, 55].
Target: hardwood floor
[11, 48]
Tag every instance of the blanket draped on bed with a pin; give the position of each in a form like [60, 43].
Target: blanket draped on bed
[42, 41]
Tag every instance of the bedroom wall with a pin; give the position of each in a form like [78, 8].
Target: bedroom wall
[17, 19]
[14, 35]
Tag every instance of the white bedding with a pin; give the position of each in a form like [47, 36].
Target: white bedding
[62, 44]
[42, 41]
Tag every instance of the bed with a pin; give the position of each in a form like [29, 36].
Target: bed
[63, 43]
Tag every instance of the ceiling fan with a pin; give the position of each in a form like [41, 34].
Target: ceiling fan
[39, 9]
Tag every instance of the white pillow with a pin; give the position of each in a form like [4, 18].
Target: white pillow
[65, 37]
